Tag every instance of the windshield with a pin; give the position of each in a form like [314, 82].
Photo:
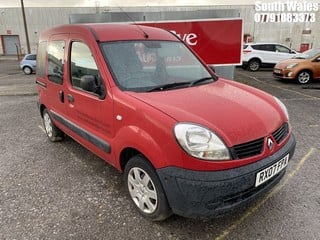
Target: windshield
[311, 53]
[143, 66]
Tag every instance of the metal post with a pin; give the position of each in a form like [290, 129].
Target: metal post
[25, 26]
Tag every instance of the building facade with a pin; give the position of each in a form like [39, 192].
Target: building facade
[296, 29]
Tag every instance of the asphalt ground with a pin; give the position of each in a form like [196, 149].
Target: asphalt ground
[62, 191]
[13, 81]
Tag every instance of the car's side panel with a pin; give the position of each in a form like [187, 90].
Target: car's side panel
[55, 74]
[316, 67]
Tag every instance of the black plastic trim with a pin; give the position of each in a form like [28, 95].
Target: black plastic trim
[214, 193]
[103, 145]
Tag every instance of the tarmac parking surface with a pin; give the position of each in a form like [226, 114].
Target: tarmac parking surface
[62, 191]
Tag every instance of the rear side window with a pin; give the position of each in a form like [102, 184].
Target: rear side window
[283, 49]
[55, 61]
[264, 47]
[31, 57]
[41, 59]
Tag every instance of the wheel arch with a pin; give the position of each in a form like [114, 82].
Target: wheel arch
[306, 70]
[128, 153]
[27, 66]
[42, 107]
[132, 141]
[255, 58]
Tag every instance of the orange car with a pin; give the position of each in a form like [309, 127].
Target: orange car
[303, 67]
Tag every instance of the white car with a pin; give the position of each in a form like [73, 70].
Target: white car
[256, 55]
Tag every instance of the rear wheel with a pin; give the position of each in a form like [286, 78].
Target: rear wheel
[145, 189]
[54, 134]
[254, 65]
[304, 77]
[27, 70]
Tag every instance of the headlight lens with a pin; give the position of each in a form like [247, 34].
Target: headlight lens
[292, 65]
[200, 142]
[283, 107]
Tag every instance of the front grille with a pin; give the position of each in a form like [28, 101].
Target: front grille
[281, 133]
[248, 149]
[255, 147]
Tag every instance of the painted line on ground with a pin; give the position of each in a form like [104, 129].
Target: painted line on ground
[279, 87]
[253, 209]
[14, 74]
[42, 129]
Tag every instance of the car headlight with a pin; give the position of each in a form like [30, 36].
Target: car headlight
[200, 142]
[282, 106]
[292, 65]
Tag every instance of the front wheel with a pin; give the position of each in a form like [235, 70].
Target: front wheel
[145, 189]
[54, 134]
[304, 77]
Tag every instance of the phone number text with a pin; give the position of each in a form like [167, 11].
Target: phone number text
[284, 17]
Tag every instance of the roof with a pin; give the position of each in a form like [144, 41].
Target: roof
[260, 43]
[113, 31]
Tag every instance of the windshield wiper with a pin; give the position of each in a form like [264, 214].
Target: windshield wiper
[169, 86]
[201, 80]
[180, 84]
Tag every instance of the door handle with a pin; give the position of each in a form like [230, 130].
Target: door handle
[61, 96]
[70, 98]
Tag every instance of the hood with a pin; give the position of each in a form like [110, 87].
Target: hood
[284, 63]
[236, 112]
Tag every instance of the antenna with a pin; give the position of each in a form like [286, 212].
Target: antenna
[144, 33]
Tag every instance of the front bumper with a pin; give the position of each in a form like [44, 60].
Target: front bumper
[210, 194]
[283, 74]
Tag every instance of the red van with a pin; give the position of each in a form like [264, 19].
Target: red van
[188, 142]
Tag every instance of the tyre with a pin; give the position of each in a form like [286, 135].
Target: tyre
[54, 134]
[304, 77]
[254, 65]
[145, 189]
[27, 70]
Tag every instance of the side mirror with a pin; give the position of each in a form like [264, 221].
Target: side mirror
[89, 83]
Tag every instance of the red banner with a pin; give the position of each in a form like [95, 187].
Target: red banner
[217, 41]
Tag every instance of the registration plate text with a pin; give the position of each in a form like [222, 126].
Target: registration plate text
[271, 171]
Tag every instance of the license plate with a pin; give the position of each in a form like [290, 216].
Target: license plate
[271, 171]
[277, 71]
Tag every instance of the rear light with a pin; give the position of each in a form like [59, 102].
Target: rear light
[246, 51]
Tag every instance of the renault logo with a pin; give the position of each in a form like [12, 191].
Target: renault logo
[270, 144]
